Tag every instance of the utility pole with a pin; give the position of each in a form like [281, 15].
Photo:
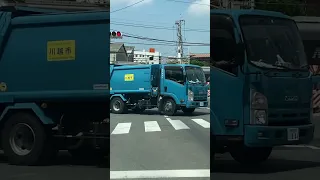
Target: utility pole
[179, 24]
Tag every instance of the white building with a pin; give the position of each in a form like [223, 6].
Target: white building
[146, 57]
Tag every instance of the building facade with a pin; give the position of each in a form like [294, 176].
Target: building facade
[118, 53]
[147, 57]
[130, 53]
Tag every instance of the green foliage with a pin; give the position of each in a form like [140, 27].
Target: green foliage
[198, 63]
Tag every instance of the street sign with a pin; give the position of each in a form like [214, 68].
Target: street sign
[115, 35]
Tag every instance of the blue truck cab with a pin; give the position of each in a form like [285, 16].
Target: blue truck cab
[169, 87]
[261, 89]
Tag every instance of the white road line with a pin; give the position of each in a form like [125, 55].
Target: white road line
[313, 147]
[302, 146]
[151, 126]
[202, 123]
[192, 173]
[166, 116]
[177, 124]
[122, 128]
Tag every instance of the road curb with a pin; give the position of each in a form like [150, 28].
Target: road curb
[316, 114]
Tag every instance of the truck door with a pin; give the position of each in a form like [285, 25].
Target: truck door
[226, 86]
[155, 79]
[173, 83]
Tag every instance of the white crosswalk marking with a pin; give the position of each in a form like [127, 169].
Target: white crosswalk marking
[122, 128]
[156, 126]
[177, 124]
[202, 123]
[151, 126]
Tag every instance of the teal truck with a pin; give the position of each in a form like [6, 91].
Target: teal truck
[54, 84]
[168, 87]
[261, 86]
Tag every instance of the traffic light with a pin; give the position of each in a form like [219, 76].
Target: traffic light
[115, 35]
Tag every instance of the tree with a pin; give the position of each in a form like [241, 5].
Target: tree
[196, 62]
[288, 7]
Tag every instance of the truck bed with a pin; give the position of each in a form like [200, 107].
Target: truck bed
[130, 79]
[54, 56]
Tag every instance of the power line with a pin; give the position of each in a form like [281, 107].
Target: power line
[157, 40]
[188, 2]
[127, 6]
[158, 44]
[154, 27]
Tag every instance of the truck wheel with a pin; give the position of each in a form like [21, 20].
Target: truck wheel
[169, 107]
[118, 106]
[250, 156]
[188, 110]
[25, 140]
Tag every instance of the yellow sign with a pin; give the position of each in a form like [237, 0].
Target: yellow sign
[129, 77]
[61, 50]
[3, 87]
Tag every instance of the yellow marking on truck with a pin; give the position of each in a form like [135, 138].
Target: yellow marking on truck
[3, 87]
[129, 77]
[61, 50]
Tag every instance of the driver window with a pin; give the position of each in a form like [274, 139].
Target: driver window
[222, 43]
[174, 74]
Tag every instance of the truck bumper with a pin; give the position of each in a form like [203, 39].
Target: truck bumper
[196, 104]
[266, 136]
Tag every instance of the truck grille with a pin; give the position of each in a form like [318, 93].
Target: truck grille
[200, 97]
[288, 117]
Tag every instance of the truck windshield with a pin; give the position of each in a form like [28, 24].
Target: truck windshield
[273, 42]
[195, 75]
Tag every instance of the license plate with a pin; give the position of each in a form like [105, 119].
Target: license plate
[201, 104]
[293, 134]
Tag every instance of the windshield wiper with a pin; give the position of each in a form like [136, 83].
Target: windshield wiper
[282, 66]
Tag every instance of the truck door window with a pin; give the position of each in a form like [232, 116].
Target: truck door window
[174, 74]
[222, 43]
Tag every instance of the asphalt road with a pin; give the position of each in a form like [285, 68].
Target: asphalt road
[63, 168]
[153, 145]
[295, 162]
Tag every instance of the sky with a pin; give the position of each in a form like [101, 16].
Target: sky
[156, 19]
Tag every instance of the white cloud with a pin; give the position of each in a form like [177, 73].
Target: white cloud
[199, 8]
[128, 2]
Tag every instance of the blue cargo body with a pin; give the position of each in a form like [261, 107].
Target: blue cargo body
[54, 82]
[166, 87]
[141, 83]
[261, 89]
[26, 70]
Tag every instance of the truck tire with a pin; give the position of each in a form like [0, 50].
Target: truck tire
[250, 156]
[188, 110]
[169, 107]
[118, 106]
[25, 140]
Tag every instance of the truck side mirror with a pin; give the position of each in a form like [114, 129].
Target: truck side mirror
[239, 59]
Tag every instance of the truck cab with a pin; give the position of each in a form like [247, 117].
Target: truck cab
[261, 90]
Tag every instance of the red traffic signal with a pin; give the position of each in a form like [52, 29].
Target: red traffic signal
[115, 35]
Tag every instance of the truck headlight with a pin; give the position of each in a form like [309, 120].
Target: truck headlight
[190, 95]
[259, 117]
[259, 108]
